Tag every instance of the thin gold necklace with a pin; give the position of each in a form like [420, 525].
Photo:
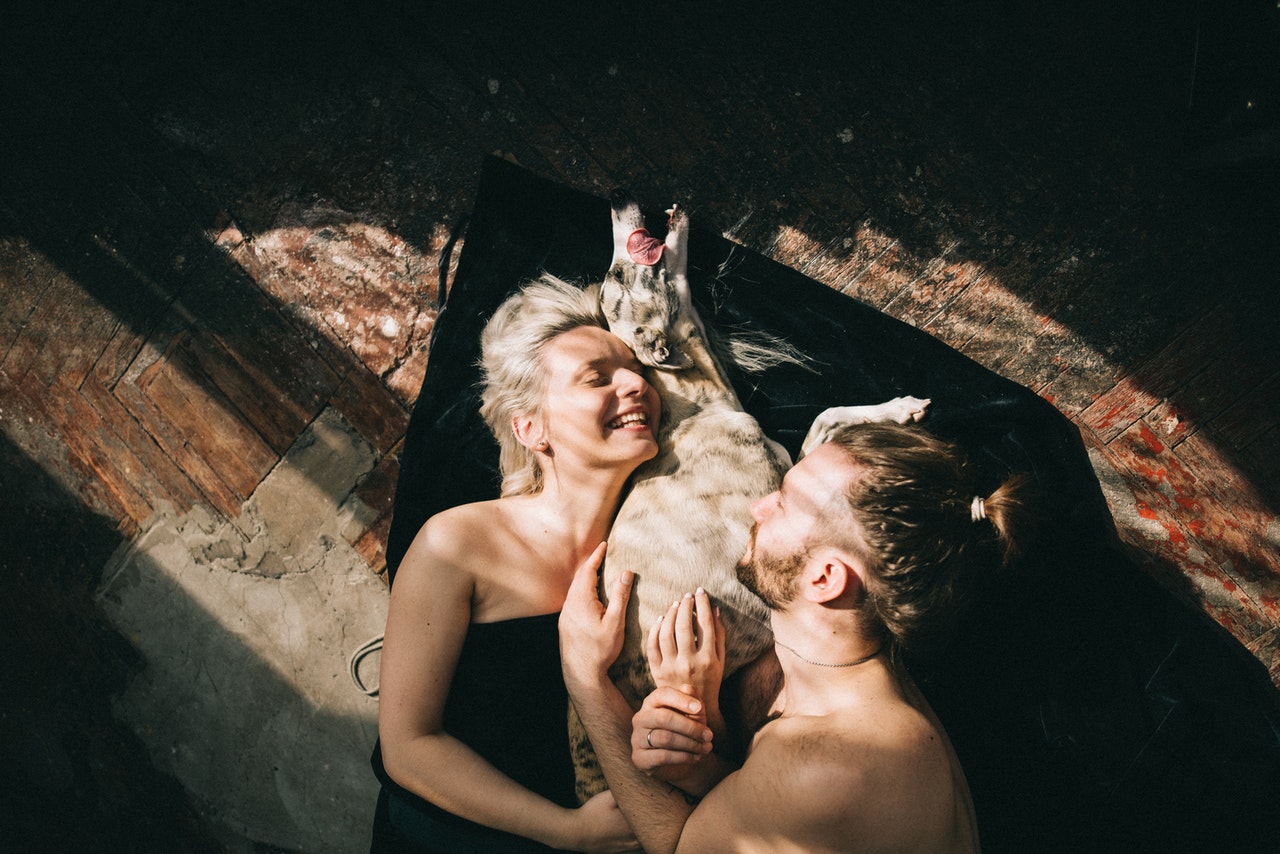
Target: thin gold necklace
[862, 660]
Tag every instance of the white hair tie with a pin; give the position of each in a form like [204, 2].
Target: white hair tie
[978, 509]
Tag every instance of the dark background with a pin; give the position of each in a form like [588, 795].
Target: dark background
[1116, 163]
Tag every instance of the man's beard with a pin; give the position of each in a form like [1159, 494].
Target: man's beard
[771, 578]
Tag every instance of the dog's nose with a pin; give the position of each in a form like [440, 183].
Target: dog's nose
[621, 199]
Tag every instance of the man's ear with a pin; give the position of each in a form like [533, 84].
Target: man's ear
[831, 574]
[529, 431]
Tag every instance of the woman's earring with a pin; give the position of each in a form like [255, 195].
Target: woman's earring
[541, 446]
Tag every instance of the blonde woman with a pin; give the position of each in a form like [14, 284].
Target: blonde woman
[473, 753]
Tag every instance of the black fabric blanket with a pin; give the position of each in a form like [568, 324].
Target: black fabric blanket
[1091, 710]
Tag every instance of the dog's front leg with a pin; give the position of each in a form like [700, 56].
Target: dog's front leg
[901, 410]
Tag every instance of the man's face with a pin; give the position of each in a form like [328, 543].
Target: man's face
[785, 523]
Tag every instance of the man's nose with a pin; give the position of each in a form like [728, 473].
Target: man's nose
[762, 509]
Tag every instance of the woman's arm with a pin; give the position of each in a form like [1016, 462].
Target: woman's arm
[427, 622]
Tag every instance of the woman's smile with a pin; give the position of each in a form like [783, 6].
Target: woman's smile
[630, 420]
[594, 379]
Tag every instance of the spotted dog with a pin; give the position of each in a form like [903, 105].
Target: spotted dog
[687, 518]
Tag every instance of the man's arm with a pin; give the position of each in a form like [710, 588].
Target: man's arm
[590, 639]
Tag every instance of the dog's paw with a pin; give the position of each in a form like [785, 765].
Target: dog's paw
[902, 410]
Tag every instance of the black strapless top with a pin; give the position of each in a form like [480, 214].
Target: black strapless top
[508, 703]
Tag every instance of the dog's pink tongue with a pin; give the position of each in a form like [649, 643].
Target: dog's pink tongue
[644, 248]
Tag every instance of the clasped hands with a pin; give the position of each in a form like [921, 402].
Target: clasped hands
[673, 729]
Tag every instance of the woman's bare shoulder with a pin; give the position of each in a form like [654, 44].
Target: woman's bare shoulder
[462, 520]
[456, 538]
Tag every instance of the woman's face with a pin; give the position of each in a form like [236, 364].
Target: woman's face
[598, 408]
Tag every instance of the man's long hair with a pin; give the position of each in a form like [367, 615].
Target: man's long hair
[914, 521]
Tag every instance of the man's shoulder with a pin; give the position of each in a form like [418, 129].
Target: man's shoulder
[793, 786]
[859, 757]
[879, 772]
[810, 752]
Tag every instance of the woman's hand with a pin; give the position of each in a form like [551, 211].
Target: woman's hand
[669, 732]
[602, 827]
[591, 634]
[686, 647]
[671, 741]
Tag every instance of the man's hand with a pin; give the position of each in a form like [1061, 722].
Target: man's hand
[590, 634]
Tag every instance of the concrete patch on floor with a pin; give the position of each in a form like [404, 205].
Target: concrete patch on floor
[246, 628]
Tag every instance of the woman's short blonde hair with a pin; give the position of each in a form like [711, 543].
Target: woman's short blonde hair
[514, 371]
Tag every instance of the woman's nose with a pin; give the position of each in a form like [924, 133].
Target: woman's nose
[632, 383]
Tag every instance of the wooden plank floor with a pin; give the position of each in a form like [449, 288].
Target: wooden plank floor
[213, 226]
[193, 269]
